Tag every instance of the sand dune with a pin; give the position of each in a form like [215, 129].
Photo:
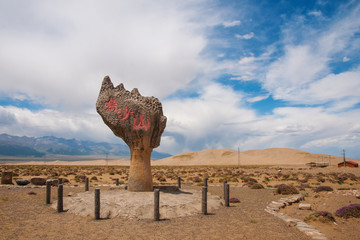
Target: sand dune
[271, 156]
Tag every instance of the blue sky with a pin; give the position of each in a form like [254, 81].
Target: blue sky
[248, 74]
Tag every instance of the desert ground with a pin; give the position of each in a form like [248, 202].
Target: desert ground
[24, 213]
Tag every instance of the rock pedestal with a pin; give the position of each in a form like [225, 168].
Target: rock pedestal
[139, 121]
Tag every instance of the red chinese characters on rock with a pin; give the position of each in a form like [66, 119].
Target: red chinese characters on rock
[111, 105]
[124, 114]
[141, 124]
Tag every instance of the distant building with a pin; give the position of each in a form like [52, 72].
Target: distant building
[348, 164]
[318, 164]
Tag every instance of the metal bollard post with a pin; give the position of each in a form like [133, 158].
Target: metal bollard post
[48, 191]
[227, 194]
[225, 182]
[206, 182]
[97, 203]
[86, 184]
[60, 199]
[204, 200]
[117, 182]
[60, 181]
[179, 182]
[156, 204]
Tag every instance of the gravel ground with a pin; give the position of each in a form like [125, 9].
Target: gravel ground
[24, 216]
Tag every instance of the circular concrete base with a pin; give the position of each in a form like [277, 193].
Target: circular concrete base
[114, 203]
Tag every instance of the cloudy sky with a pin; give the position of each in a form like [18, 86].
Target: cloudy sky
[230, 74]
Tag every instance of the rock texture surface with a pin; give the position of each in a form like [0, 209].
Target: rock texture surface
[22, 182]
[139, 121]
[309, 230]
[38, 181]
[6, 178]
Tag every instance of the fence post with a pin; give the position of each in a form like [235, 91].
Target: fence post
[204, 200]
[225, 182]
[97, 203]
[48, 191]
[117, 182]
[206, 182]
[86, 184]
[156, 204]
[60, 198]
[179, 182]
[227, 194]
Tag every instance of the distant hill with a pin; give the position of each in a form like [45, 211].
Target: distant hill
[40, 146]
[271, 156]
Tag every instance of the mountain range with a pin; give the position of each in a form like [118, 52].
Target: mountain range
[24, 146]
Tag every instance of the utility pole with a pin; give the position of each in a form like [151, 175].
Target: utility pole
[344, 158]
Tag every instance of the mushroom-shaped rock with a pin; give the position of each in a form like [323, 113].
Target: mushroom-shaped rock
[139, 121]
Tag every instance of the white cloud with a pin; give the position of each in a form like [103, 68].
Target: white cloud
[204, 122]
[315, 13]
[346, 59]
[23, 122]
[245, 36]
[64, 55]
[257, 98]
[232, 24]
[303, 74]
[247, 60]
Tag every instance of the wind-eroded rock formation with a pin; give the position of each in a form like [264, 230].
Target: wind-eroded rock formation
[139, 121]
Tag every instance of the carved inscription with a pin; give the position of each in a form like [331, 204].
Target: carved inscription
[124, 114]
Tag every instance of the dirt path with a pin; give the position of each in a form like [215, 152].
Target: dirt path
[24, 216]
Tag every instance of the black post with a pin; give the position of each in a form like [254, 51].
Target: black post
[225, 182]
[60, 199]
[117, 182]
[204, 200]
[179, 182]
[97, 203]
[227, 194]
[86, 184]
[60, 181]
[206, 182]
[156, 204]
[48, 191]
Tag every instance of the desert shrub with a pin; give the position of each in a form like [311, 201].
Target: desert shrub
[161, 179]
[303, 186]
[196, 179]
[256, 186]
[305, 180]
[341, 179]
[286, 189]
[322, 216]
[352, 177]
[352, 210]
[249, 180]
[323, 188]
[234, 200]
[320, 179]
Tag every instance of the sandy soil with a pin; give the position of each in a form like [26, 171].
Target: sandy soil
[24, 216]
[119, 202]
